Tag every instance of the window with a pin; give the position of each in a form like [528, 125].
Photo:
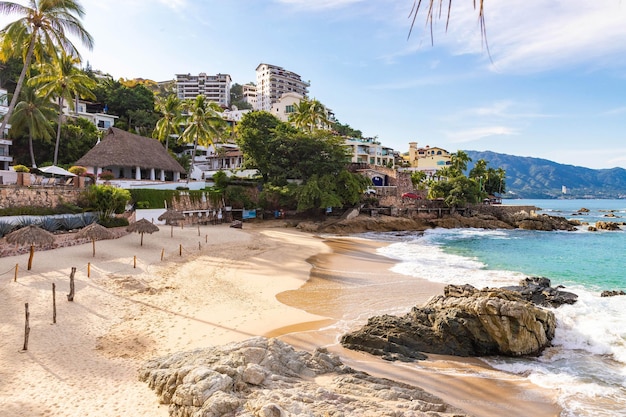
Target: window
[290, 108]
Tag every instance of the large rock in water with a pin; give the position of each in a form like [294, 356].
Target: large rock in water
[464, 321]
[262, 377]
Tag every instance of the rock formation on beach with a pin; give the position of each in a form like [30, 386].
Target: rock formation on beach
[262, 377]
[466, 321]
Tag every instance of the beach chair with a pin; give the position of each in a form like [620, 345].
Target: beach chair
[38, 180]
[69, 181]
[49, 182]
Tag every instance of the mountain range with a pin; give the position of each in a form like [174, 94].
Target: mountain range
[528, 177]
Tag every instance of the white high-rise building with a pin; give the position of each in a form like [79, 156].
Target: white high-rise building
[272, 82]
[214, 87]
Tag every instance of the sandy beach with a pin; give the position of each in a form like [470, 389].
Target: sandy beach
[227, 285]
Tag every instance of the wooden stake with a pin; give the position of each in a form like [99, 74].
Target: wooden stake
[198, 230]
[135, 261]
[93, 243]
[54, 303]
[180, 250]
[17, 266]
[206, 238]
[26, 328]
[30, 258]
[70, 296]
[162, 253]
[88, 269]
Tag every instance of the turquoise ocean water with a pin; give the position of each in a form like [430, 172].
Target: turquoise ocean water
[587, 363]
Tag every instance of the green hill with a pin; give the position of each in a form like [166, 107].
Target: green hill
[540, 178]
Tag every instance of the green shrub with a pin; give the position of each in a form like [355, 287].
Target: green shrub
[21, 168]
[114, 222]
[6, 228]
[142, 205]
[50, 224]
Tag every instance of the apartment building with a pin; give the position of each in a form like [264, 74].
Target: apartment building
[370, 151]
[94, 112]
[214, 87]
[249, 94]
[273, 81]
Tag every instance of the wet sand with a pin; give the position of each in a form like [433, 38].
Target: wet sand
[341, 281]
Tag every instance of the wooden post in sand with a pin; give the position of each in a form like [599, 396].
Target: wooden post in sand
[198, 230]
[180, 250]
[54, 303]
[88, 269]
[70, 296]
[162, 253]
[30, 257]
[17, 266]
[26, 328]
[199, 247]
[206, 238]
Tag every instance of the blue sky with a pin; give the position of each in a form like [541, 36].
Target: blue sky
[553, 85]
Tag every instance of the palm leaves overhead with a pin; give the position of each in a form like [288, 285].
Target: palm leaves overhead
[168, 125]
[42, 28]
[310, 115]
[61, 79]
[204, 125]
[32, 116]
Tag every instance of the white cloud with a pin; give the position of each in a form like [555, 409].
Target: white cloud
[319, 4]
[533, 36]
[474, 134]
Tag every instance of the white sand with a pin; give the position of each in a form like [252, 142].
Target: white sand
[86, 364]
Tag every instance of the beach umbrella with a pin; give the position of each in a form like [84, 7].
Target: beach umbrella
[33, 236]
[171, 216]
[142, 226]
[94, 232]
[55, 170]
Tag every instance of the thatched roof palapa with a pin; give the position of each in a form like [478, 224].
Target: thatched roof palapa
[121, 148]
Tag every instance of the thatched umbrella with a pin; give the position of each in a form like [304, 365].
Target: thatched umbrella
[171, 216]
[142, 226]
[31, 235]
[94, 232]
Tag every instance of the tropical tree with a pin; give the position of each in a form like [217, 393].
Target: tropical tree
[203, 124]
[309, 115]
[435, 11]
[168, 124]
[32, 116]
[458, 162]
[41, 30]
[62, 79]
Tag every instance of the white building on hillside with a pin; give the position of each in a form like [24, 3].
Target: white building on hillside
[370, 151]
[272, 82]
[249, 94]
[95, 113]
[214, 87]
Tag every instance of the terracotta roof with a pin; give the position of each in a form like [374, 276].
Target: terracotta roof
[121, 148]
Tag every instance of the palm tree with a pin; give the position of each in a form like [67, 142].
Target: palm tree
[32, 115]
[434, 11]
[309, 115]
[458, 162]
[63, 80]
[42, 29]
[203, 124]
[170, 108]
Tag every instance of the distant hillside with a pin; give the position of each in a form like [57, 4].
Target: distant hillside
[540, 178]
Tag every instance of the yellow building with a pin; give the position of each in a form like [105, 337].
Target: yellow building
[427, 159]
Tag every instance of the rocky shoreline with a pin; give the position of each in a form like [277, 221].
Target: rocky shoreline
[466, 321]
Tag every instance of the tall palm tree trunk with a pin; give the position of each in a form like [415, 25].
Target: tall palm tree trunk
[20, 82]
[32, 151]
[56, 145]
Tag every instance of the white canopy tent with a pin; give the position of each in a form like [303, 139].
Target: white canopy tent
[55, 170]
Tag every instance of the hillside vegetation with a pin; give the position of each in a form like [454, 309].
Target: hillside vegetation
[540, 178]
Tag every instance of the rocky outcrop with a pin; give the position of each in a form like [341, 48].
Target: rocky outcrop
[464, 321]
[612, 226]
[538, 291]
[612, 293]
[263, 377]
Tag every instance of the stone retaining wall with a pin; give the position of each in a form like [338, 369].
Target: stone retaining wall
[12, 196]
